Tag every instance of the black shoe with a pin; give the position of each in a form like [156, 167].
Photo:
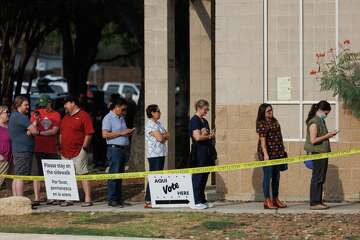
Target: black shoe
[125, 204]
[113, 204]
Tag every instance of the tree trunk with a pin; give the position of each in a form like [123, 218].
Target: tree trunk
[79, 55]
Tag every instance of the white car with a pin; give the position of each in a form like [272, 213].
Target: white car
[122, 88]
[57, 83]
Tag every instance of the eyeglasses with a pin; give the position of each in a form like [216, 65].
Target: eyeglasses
[270, 110]
[6, 111]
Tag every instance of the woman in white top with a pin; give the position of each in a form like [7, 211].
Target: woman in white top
[156, 137]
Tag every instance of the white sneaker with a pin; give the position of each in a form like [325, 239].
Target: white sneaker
[209, 205]
[199, 206]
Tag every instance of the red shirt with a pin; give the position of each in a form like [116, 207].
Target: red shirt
[47, 120]
[73, 129]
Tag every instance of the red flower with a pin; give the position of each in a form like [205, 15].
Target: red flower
[317, 55]
[313, 72]
[347, 41]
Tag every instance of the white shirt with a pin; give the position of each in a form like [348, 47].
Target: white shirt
[155, 148]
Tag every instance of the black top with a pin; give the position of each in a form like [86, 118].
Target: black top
[197, 123]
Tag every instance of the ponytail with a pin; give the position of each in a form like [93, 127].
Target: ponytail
[322, 105]
[312, 113]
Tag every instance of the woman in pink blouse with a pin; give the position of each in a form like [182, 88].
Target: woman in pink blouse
[5, 144]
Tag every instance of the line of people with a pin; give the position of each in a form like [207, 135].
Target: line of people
[46, 136]
[271, 146]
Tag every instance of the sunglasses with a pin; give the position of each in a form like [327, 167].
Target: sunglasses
[270, 110]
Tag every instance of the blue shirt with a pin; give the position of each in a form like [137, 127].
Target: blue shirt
[114, 123]
[18, 126]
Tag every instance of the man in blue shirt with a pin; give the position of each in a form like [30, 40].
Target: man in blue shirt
[22, 141]
[116, 133]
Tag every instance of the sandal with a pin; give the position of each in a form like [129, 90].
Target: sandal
[87, 204]
[35, 203]
[147, 205]
[66, 204]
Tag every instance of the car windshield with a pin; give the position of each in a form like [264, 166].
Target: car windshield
[129, 89]
[57, 89]
[113, 88]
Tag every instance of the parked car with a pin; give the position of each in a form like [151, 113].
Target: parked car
[91, 89]
[122, 88]
[57, 83]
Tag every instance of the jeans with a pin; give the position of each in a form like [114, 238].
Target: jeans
[155, 163]
[271, 173]
[317, 181]
[116, 160]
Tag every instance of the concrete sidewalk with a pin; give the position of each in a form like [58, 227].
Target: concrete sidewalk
[220, 207]
[17, 236]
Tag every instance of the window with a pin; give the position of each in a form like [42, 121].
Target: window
[294, 31]
[129, 89]
[57, 89]
[112, 88]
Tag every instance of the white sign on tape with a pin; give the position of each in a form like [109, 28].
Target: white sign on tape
[60, 180]
[171, 190]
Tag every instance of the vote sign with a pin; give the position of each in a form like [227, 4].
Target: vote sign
[171, 190]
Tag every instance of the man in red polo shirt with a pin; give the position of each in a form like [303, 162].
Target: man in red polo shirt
[47, 121]
[76, 130]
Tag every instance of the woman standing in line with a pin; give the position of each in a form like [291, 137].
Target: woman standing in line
[203, 152]
[270, 146]
[317, 141]
[5, 143]
[156, 137]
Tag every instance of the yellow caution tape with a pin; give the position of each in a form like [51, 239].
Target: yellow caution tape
[219, 168]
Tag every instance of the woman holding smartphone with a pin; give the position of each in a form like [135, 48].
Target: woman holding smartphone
[203, 152]
[318, 141]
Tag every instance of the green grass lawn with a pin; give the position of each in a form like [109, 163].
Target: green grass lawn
[186, 225]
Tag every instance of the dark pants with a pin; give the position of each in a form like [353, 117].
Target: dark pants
[201, 157]
[199, 184]
[271, 174]
[317, 181]
[116, 160]
[40, 156]
[155, 163]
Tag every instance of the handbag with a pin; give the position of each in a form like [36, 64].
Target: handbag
[309, 164]
[283, 167]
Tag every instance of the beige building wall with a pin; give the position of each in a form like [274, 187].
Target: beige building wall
[200, 53]
[160, 65]
[239, 90]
